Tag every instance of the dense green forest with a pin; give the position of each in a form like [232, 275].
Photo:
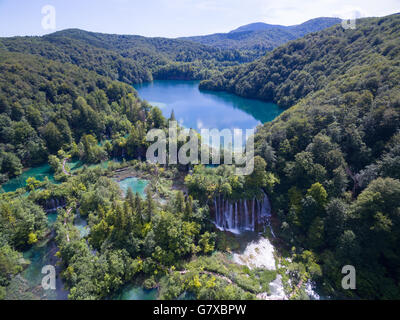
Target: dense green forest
[53, 111]
[46, 106]
[329, 163]
[292, 71]
[137, 59]
[336, 151]
[258, 38]
[131, 59]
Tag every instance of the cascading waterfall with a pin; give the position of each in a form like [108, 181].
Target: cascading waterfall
[54, 204]
[234, 216]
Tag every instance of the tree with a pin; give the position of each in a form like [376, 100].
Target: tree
[157, 118]
[10, 264]
[91, 152]
[99, 233]
[55, 163]
[258, 178]
[17, 112]
[53, 137]
[149, 207]
[348, 248]
[139, 207]
[11, 164]
[188, 208]
[316, 234]
[172, 117]
[376, 213]
[337, 216]
[206, 243]
[180, 202]
[130, 198]
[32, 238]
[32, 183]
[318, 193]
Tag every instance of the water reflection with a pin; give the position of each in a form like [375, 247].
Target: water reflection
[204, 109]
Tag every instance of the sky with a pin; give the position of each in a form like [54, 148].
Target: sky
[173, 18]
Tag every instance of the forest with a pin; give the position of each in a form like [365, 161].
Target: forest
[336, 149]
[330, 163]
[136, 59]
[130, 59]
[258, 38]
[52, 111]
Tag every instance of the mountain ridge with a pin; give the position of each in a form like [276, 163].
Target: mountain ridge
[127, 58]
[258, 26]
[259, 38]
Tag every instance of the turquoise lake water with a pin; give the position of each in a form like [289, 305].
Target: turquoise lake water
[81, 224]
[52, 218]
[136, 293]
[137, 186]
[77, 164]
[193, 109]
[39, 256]
[205, 109]
[40, 173]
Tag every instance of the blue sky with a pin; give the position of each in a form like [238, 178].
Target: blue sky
[174, 18]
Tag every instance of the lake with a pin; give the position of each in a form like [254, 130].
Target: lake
[206, 109]
[193, 109]
[40, 173]
[40, 255]
[137, 186]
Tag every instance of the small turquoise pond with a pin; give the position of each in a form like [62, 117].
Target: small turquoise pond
[39, 173]
[76, 165]
[52, 218]
[41, 255]
[137, 186]
[136, 293]
[82, 225]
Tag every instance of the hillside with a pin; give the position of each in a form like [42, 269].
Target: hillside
[258, 38]
[336, 150]
[58, 112]
[290, 72]
[46, 106]
[309, 26]
[131, 59]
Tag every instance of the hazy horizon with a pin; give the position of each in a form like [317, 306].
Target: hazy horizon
[175, 18]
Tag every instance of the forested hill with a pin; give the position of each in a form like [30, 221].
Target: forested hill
[336, 152]
[132, 59]
[46, 106]
[308, 64]
[259, 38]
[136, 59]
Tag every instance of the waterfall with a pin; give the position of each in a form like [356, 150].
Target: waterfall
[247, 216]
[254, 214]
[235, 216]
[53, 204]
